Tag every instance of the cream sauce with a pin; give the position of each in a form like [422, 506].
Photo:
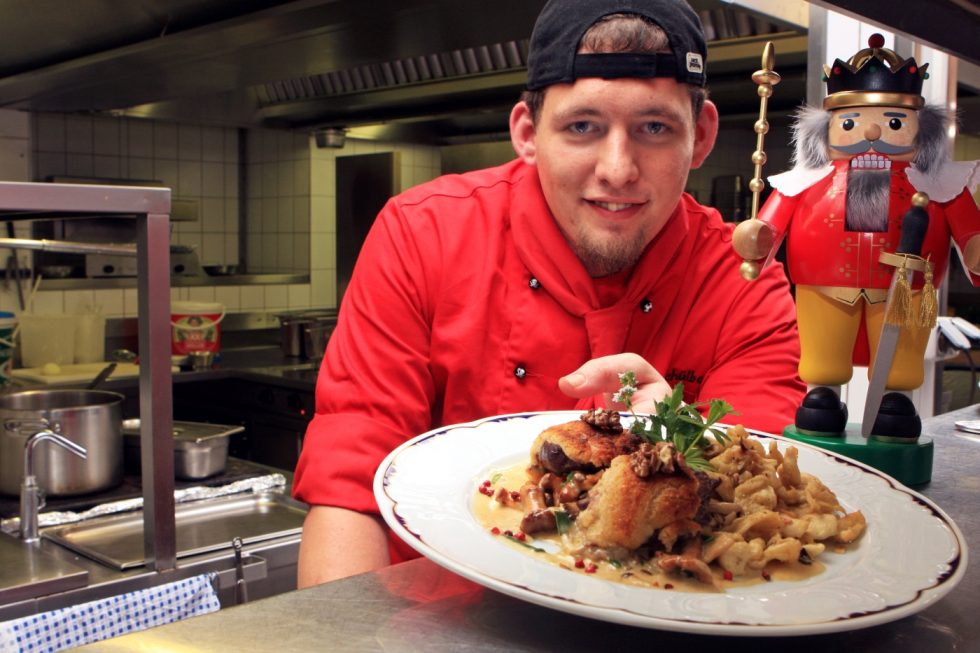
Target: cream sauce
[553, 548]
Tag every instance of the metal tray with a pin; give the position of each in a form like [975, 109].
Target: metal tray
[26, 572]
[202, 526]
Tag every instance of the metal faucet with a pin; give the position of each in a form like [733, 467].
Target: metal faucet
[30, 492]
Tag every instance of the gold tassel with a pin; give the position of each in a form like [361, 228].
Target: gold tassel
[900, 308]
[929, 305]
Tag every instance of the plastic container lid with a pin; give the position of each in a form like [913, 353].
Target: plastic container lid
[197, 308]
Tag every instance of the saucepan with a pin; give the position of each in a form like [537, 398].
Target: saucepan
[89, 418]
[304, 333]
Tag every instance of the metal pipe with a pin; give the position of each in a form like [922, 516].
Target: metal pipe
[30, 492]
[68, 247]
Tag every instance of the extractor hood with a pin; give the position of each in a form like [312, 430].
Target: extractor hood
[432, 70]
[426, 70]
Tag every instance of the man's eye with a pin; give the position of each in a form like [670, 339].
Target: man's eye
[847, 125]
[580, 127]
[895, 124]
[656, 127]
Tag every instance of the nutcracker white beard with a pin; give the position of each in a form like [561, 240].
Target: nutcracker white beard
[868, 195]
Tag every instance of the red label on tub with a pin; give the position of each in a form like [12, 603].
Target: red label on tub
[195, 333]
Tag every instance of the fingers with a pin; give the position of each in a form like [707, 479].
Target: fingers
[600, 376]
[646, 397]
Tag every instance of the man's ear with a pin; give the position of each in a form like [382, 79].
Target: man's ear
[705, 133]
[522, 133]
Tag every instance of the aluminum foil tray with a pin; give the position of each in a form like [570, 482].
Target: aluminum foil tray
[202, 526]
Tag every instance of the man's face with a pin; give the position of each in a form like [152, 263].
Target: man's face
[613, 158]
[861, 133]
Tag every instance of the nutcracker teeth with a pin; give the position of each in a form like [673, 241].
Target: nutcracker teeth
[871, 161]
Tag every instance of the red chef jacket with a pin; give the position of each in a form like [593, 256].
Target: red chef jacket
[467, 302]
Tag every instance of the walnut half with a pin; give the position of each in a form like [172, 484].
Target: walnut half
[603, 420]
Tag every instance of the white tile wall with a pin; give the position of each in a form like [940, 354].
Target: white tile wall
[290, 198]
[278, 198]
[417, 164]
[191, 160]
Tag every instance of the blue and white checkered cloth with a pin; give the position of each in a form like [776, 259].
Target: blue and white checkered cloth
[127, 613]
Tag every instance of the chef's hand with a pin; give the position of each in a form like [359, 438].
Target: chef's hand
[600, 376]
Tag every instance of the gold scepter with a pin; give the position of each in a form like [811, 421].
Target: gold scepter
[766, 78]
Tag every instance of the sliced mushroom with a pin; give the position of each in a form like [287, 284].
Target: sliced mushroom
[689, 560]
[537, 518]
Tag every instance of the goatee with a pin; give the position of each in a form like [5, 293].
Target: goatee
[604, 257]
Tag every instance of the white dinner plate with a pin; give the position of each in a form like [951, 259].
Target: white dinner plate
[911, 555]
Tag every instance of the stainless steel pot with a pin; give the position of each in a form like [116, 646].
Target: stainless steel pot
[90, 418]
[200, 449]
[303, 334]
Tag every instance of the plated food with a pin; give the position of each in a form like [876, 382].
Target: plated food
[598, 498]
[426, 490]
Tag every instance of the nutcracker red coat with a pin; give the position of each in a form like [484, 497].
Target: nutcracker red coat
[808, 209]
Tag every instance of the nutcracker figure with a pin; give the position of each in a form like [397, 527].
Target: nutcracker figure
[868, 213]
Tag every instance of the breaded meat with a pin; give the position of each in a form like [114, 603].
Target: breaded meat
[580, 446]
[626, 510]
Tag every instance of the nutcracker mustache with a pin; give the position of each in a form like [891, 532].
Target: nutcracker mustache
[882, 147]
[811, 136]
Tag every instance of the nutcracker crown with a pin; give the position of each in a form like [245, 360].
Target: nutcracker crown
[875, 75]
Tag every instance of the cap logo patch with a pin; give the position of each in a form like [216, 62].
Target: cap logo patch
[695, 64]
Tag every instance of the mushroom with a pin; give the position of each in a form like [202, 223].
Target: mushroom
[689, 560]
[537, 517]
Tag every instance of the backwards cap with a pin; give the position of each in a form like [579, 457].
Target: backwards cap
[553, 55]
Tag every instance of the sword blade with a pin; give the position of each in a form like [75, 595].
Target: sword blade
[914, 227]
[887, 345]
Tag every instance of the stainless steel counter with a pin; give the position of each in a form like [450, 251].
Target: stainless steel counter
[49, 575]
[418, 606]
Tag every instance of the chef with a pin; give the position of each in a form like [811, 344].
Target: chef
[532, 285]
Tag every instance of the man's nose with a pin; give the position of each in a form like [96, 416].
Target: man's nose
[617, 163]
[872, 132]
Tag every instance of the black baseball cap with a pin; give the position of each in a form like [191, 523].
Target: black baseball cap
[553, 54]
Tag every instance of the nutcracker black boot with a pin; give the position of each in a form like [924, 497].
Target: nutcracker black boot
[821, 413]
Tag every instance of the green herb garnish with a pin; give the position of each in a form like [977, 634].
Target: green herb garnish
[524, 544]
[563, 521]
[676, 422]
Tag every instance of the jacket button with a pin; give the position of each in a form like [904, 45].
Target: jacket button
[646, 306]
[534, 283]
[520, 372]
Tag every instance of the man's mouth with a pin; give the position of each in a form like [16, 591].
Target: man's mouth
[613, 206]
[871, 162]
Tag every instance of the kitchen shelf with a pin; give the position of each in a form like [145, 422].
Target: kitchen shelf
[111, 283]
[151, 208]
